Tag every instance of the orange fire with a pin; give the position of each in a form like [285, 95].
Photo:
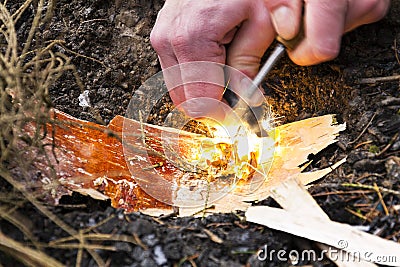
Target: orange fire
[233, 150]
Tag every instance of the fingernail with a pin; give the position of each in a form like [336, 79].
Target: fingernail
[284, 22]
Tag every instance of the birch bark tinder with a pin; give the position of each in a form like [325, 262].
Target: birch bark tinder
[91, 158]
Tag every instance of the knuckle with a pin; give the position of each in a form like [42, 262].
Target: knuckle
[181, 40]
[159, 35]
[376, 9]
[248, 64]
[326, 50]
[273, 4]
[189, 46]
[381, 8]
[158, 40]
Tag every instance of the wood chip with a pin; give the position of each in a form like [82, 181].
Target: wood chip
[302, 216]
[213, 236]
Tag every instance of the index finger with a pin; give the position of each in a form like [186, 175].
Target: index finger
[203, 85]
[324, 25]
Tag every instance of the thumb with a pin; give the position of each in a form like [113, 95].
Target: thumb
[286, 16]
[247, 48]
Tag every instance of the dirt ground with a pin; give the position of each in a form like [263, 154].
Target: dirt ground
[108, 42]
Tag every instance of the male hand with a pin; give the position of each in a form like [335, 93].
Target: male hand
[238, 32]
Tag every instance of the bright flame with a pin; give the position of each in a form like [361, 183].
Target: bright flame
[233, 149]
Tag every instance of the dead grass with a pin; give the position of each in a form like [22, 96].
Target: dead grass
[27, 70]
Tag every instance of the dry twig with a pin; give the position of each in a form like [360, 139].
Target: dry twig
[28, 256]
[26, 76]
[379, 79]
[364, 130]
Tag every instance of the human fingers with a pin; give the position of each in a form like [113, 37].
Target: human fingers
[286, 16]
[364, 12]
[324, 25]
[200, 33]
[208, 43]
[172, 78]
[203, 84]
[247, 48]
[160, 40]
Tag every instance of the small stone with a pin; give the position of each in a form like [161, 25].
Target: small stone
[395, 146]
[159, 256]
[392, 166]
[141, 227]
[148, 262]
[137, 253]
[370, 165]
[173, 250]
[84, 100]
[150, 240]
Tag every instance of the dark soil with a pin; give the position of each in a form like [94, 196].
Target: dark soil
[113, 57]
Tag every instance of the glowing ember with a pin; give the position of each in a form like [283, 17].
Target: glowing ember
[233, 150]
